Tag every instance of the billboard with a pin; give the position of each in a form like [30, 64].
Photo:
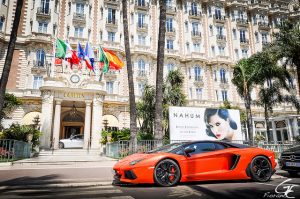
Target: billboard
[191, 123]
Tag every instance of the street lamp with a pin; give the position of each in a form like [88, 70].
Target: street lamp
[105, 122]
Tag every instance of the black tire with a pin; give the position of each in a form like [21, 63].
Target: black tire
[293, 173]
[61, 145]
[167, 173]
[260, 169]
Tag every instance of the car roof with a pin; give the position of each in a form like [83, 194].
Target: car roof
[227, 143]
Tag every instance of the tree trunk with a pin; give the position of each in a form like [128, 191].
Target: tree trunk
[158, 116]
[267, 120]
[298, 75]
[133, 127]
[10, 52]
[249, 118]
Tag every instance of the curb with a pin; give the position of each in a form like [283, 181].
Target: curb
[57, 185]
[5, 164]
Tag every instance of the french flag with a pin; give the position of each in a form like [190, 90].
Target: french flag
[82, 55]
[90, 55]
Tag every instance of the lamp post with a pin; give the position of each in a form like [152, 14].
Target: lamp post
[105, 122]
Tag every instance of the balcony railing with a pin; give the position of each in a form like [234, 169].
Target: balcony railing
[193, 13]
[241, 22]
[195, 33]
[141, 5]
[264, 25]
[111, 21]
[40, 64]
[219, 18]
[43, 12]
[142, 26]
[221, 38]
[171, 9]
[142, 73]
[244, 41]
[79, 18]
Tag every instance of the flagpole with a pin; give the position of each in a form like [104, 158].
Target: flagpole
[53, 59]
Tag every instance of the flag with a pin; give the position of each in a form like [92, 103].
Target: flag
[71, 56]
[82, 56]
[103, 60]
[90, 54]
[61, 48]
[114, 61]
[58, 61]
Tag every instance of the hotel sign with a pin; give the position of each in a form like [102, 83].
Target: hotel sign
[74, 95]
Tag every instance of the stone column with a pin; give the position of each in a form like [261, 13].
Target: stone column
[97, 121]
[46, 119]
[56, 124]
[87, 124]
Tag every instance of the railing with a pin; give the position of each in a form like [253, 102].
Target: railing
[11, 150]
[43, 11]
[194, 13]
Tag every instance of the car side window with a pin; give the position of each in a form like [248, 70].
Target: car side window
[202, 147]
[220, 146]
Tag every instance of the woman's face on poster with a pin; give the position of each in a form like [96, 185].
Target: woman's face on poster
[220, 127]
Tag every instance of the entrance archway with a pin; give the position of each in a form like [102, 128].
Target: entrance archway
[72, 124]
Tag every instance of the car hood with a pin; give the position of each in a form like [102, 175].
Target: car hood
[295, 150]
[126, 161]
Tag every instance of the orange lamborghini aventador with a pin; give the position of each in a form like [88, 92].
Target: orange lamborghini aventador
[196, 161]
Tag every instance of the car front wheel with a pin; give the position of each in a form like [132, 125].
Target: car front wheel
[167, 173]
[261, 169]
[61, 145]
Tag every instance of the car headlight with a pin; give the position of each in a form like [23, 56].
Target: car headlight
[136, 161]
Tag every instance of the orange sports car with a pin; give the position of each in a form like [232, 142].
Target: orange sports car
[196, 161]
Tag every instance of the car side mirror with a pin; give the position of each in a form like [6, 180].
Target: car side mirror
[188, 151]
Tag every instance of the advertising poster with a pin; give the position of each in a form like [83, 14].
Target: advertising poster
[191, 123]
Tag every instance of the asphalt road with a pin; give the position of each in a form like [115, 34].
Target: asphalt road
[80, 182]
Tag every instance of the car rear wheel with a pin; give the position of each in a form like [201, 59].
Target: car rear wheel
[293, 173]
[261, 169]
[61, 145]
[167, 173]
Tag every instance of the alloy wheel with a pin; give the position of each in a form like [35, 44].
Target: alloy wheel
[167, 173]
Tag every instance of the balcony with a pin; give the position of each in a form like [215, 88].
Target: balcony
[141, 5]
[172, 52]
[112, 2]
[141, 75]
[75, 40]
[242, 22]
[170, 32]
[199, 81]
[171, 10]
[279, 10]
[40, 37]
[224, 83]
[142, 27]
[244, 42]
[43, 13]
[196, 34]
[221, 38]
[111, 23]
[40, 66]
[110, 75]
[79, 18]
[195, 14]
[237, 3]
[295, 14]
[219, 19]
[259, 5]
[263, 26]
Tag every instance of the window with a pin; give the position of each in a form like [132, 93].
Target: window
[194, 8]
[109, 87]
[211, 30]
[142, 40]
[236, 51]
[215, 76]
[170, 67]
[218, 13]
[213, 51]
[197, 47]
[45, 6]
[37, 82]
[141, 88]
[202, 147]
[170, 44]
[234, 34]
[79, 8]
[209, 11]
[169, 24]
[141, 68]
[219, 30]
[241, 14]
[43, 27]
[256, 37]
[223, 76]
[111, 18]
[2, 19]
[217, 95]
[269, 82]
[188, 47]
[111, 36]
[141, 20]
[186, 26]
[242, 36]
[141, 2]
[244, 53]
[221, 50]
[197, 71]
[195, 28]
[191, 96]
[264, 38]
[169, 3]
[4, 2]
[78, 32]
[199, 93]
[224, 95]
[40, 58]
[254, 20]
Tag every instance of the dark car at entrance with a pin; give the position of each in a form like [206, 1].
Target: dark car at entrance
[290, 160]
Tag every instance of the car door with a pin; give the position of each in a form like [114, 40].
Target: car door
[206, 161]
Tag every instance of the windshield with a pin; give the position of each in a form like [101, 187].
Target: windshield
[166, 148]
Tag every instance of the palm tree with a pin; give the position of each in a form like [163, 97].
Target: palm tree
[133, 127]
[158, 128]
[254, 71]
[286, 45]
[10, 52]
[268, 97]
